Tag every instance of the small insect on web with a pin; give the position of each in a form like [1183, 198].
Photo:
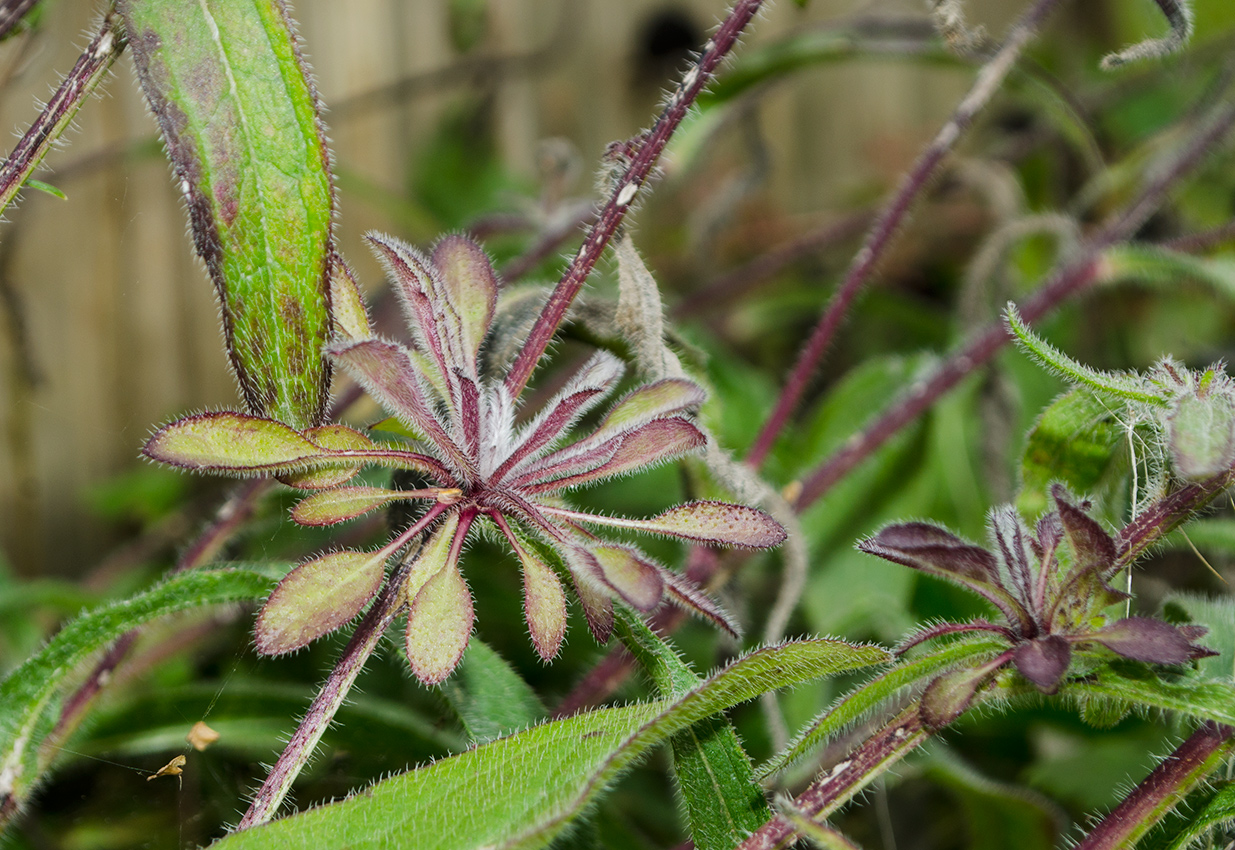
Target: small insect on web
[175, 768]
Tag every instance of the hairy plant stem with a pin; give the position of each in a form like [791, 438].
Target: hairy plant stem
[1070, 280]
[334, 690]
[1174, 777]
[626, 189]
[990, 78]
[891, 743]
[91, 68]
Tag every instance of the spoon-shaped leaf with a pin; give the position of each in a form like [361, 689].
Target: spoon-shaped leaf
[316, 598]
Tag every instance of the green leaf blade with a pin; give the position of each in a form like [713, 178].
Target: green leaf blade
[563, 766]
[239, 120]
[27, 691]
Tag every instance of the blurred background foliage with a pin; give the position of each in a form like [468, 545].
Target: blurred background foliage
[491, 116]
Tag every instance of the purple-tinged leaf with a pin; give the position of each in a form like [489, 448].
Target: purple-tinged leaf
[657, 441]
[682, 592]
[341, 504]
[470, 289]
[932, 550]
[597, 605]
[704, 521]
[439, 624]
[651, 401]
[239, 119]
[350, 319]
[629, 572]
[1043, 661]
[1093, 550]
[387, 372]
[469, 418]
[233, 442]
[335, 438]
[585, 389]
[950, 695]
[1013, 541]
[1148, 640]
[942, 629]
[544, 603]
[419, 286]
[316, 598]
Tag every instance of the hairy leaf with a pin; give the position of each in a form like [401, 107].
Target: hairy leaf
[27, 691]
[316, 598]
[240, 122]
[563, 766]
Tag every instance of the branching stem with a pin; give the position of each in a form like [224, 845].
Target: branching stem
[1071, 279]
[990, 78]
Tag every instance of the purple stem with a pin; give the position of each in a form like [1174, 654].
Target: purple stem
[1163, 789]
[1069, 281]
[990, 78]
[626, 189]
[92, 66]
[876, 754]
[337, 685]
[11, 13]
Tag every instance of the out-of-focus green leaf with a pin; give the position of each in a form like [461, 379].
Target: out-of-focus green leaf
[27, 692]
[490, 698]
[562, 767]
[240, 121]
[999, 816]
[1078, 440]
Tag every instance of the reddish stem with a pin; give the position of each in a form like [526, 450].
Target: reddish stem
[990, 78]
[1066, 283]
[1161, 791]
[898, 737]
[625, 190]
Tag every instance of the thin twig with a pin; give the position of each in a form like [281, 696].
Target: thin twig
[1066, 283]
[625, 191]
[990, 78]
[91, 68]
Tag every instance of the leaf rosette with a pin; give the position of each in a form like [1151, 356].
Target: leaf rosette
[482, 467]
[1051, 589]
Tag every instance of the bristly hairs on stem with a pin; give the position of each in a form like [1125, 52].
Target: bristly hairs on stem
[1178, 14]
[625, 191]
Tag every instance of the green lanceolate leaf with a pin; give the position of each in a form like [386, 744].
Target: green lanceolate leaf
[27, 692]
[716, 778]
[1209, 700]
[1215, 807]
[467, 801]
[489, 697]
[873, 694]
[239, 119]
